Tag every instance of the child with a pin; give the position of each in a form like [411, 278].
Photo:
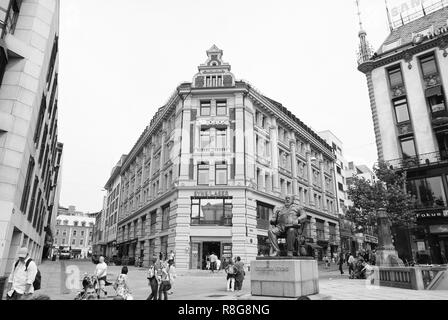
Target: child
[231, 273]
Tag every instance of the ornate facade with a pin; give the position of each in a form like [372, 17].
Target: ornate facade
[205, 175]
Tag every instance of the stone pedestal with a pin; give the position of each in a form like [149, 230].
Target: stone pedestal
[289, 277]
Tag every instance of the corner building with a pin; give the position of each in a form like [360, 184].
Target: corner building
[407, 80]
[30, 154]
[205, 175]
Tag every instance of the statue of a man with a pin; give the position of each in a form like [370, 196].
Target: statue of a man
[286, 220]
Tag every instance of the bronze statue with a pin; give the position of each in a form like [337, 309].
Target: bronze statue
[287, 222]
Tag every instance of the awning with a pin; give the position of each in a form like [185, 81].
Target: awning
[434, 91]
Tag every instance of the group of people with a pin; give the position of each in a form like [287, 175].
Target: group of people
[161, 275]
[235, 274]
[359, 266]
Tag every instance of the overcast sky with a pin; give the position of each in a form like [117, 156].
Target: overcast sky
[121, 60]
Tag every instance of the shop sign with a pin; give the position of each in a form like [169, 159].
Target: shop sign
[214, 122]
[439, 228]
[211, 193]
[227, 250]
[437, 213]
[419, 38]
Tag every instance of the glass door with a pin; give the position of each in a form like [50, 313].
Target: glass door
[195, 256]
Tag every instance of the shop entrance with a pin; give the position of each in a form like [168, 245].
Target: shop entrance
[207, 249]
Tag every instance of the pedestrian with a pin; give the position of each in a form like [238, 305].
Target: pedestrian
[240, 273]
[171, 258]
[213, 259]
[22, 277]
[341, 262]
[218, 264]
[121, 285]
[172, 273]
[101, 274]
[207, 262]
[153, 277]
[351, 264]
[165, 283]
[231, 273]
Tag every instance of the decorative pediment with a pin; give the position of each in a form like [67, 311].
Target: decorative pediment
[214, 72]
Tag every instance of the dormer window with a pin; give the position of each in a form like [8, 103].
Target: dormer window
[213, 81]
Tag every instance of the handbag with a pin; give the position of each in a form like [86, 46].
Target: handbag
[166, 285]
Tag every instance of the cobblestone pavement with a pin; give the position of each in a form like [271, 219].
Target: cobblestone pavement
[203, 285]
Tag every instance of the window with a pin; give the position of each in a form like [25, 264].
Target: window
[65, 222]
[221, 173]
[401, 110]
[205, 138]
[338, 170]
[428, 65]
[83, 224]
[74, 232]
[64, 233]
[205, 108]
[153, 216]
[429, 192]
[81, 242]
[75, 223]
[27, 186]
[221, 108]
[395, 77]
[211, 211]
[165, 217]
[221, 138]
[203, 174]
[164, 246]
[264, 214]
[340, 186]
[437, 102]
[73, 242]
[63, 241]
[320, 229]
[82, 233]
[408, 148]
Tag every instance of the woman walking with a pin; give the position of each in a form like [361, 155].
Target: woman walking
[121, 285]
[231, 272]
[165, 283]
[240, 273]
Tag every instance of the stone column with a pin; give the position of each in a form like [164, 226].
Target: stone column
[239, 140]
[310, 176]
[324, 187]
[295, 188]
[386, 255]
[274, 155]
[185, 143]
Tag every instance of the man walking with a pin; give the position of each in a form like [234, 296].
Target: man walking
[213, 259]
[351, 264]
[20, 282]
[101, 273]
[341, 262]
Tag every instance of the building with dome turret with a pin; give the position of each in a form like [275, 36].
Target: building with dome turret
[407, 78]
[206, 173]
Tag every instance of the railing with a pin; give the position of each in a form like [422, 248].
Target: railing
[212, 150]
[224, 221]
[416, 15]
[421, 160]
[415, 278]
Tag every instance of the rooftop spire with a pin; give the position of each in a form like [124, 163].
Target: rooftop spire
[365, 51]
[389, 19]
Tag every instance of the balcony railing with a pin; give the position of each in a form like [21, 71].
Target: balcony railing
[224, 221]
[422, 160]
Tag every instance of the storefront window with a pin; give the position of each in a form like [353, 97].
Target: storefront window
[264, 213]
[211, 211]
[428, 192]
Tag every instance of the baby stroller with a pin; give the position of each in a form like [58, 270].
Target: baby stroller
[90, 288]
[359, 270]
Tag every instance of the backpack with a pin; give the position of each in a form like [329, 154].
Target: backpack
[231, 269]
[37, 280]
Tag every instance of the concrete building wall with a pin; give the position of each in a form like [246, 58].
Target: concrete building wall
[21, 92]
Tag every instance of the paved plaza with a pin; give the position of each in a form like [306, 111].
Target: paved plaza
[203, 285]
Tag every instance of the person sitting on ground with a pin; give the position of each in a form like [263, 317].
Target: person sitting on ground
[121, 285]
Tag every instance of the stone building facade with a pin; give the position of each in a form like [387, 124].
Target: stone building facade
[30, 154]
[205, 175]
[406, 80]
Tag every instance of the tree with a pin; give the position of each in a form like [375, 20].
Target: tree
[388, 191]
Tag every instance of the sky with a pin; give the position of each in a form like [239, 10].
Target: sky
[121, 60]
